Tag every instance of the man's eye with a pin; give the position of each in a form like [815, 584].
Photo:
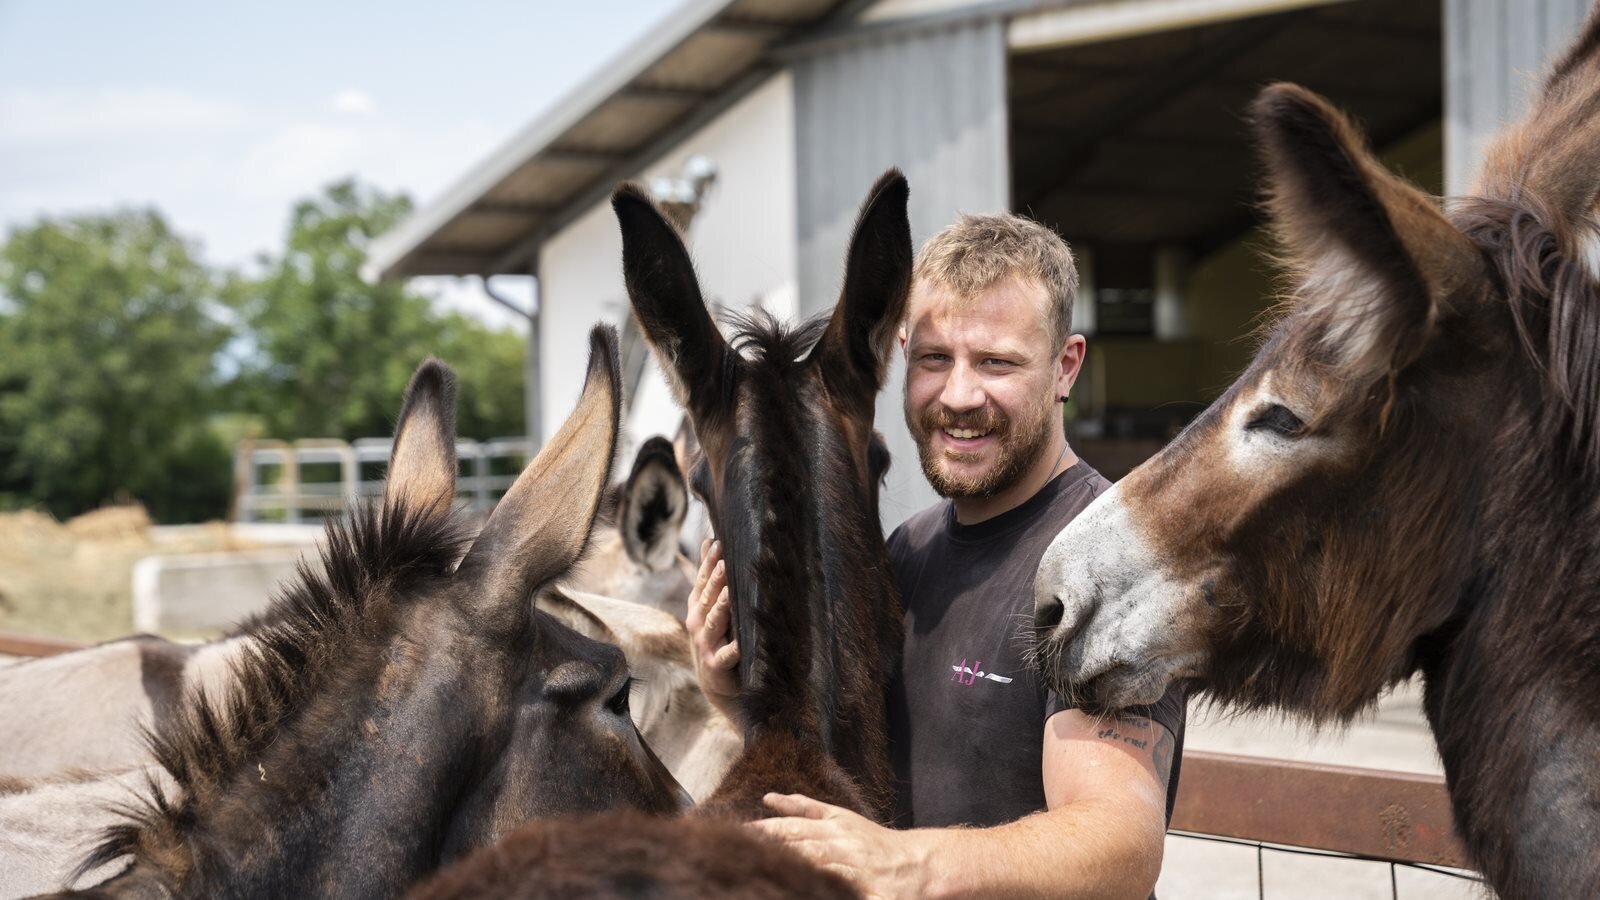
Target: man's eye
[1277, 419]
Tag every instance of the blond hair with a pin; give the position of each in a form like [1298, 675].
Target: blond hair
[978, 252]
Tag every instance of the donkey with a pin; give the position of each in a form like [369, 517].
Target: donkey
[695, 741]
[789, 474]
[1406, 479]
[407, 703]
[88, 709]
[48, 822]
[635, 554]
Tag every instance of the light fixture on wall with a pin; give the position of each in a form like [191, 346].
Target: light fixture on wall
[682, 196]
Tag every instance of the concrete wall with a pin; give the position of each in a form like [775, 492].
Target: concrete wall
[204, 593]
[746, 228]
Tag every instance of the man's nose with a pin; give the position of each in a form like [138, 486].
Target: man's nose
[963, 390]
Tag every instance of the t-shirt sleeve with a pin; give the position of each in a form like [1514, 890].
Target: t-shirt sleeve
[1170, 710]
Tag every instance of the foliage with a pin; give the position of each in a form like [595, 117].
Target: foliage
[125, 362]
[331, 353]
[108, 332]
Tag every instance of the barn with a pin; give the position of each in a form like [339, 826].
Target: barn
[1121, 123]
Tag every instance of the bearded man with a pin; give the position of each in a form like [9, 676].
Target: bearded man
[1003, 789]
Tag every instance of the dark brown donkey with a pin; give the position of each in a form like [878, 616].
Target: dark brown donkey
[789, 473]
[1406, 479]
[397, 709]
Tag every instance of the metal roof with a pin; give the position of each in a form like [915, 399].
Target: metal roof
[673, 80]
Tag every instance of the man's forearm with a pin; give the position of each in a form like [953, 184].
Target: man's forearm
[1093, 848]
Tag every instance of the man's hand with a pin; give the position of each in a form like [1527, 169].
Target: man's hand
[716, 654]
[880, 862]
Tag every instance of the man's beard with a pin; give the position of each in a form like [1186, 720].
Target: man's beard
[1020, 443]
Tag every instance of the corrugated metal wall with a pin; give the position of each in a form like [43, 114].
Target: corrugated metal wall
[1496, 53]
[932, 102]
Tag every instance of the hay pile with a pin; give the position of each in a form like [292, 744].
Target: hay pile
[75, 579]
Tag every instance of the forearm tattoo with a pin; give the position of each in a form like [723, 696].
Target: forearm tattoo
[1145, 735]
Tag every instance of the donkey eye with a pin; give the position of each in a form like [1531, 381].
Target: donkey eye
[1276, 419]
[619, 701]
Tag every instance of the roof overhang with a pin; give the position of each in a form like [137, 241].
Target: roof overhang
[670, 82]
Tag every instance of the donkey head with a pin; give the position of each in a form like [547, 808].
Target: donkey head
[636, 555]
[652, 505]
[790, 464]
[398, 708]
[1292, 546]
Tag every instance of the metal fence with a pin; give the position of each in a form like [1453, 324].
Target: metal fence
[309, 480]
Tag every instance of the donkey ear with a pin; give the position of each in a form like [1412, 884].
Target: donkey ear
[666, 297]
[654, 501]
[1374, 251]
[1554, 153]
[854, 350]
[540, 527]
[422, 465]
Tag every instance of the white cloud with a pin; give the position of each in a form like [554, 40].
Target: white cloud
[300, 157]
[37, 116]
[353, 102]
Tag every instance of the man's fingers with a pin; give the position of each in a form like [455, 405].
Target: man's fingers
[799, 806]
[695, 604]
[700, 596]
[718, 582]
[715, 580]
[788, 830]
[717, 617]
[727, 657]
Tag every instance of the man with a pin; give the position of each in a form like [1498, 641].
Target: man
[1051, 801]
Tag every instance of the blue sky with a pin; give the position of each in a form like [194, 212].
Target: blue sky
[221, 114]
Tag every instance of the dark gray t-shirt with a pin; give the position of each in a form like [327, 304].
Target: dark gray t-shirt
[966, 714]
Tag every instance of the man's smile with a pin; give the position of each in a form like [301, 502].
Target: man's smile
[966, 440]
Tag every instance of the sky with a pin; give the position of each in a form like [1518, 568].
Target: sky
[221, 115]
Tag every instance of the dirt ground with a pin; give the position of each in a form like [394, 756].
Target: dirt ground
[73, 579]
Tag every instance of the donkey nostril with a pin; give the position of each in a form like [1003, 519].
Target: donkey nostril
[1047, 614]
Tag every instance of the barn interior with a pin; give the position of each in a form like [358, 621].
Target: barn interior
[1138, 150]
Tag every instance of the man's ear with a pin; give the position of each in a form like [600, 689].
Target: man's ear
[1069, 362]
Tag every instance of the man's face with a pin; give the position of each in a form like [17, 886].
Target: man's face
[982, 381]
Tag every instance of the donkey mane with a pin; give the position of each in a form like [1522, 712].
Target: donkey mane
[315, 620]
[1555, 310]
[771, 340]
[778, 629]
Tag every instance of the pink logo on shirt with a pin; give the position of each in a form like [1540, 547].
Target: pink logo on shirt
[961, 673]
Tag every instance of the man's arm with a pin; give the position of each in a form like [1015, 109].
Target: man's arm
[1101, 835]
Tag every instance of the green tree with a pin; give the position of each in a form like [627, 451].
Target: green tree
[330, 353]
[108, 339]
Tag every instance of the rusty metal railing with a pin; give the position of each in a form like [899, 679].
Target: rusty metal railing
[13, 644]
[1374, 814]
